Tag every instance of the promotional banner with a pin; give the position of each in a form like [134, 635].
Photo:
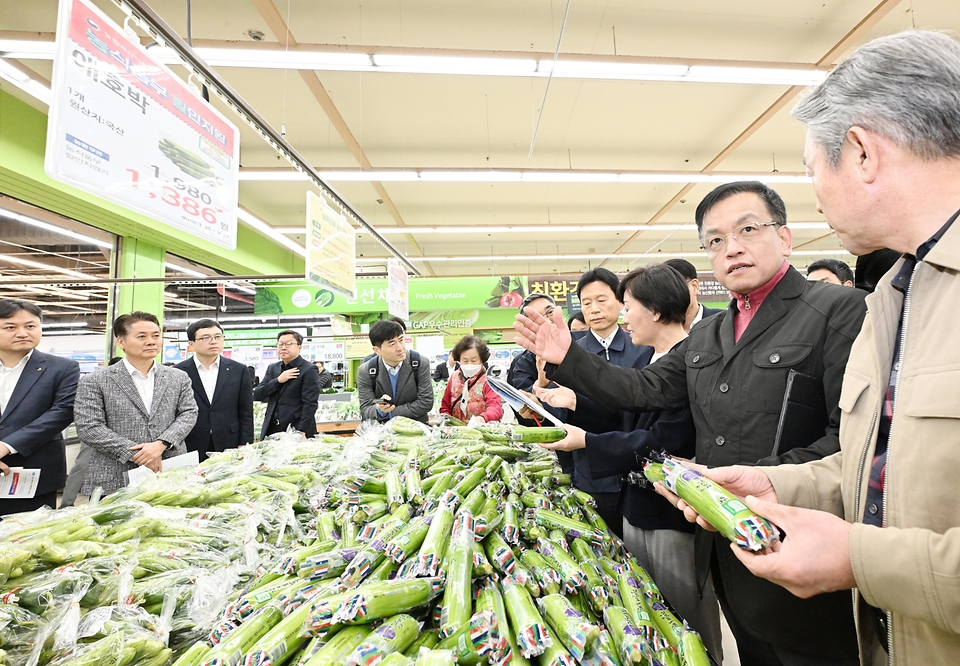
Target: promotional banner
[398, 302]
[471, 293]
[124, 128]
[331, 250]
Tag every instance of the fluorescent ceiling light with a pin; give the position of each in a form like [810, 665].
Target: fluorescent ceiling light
[595, 255]
[79, 324]
[262, 227]
[184, 270]
[46, 267]
[560, 229]
[46, 226]
[566, 67]
[24, 82]
[530, 176]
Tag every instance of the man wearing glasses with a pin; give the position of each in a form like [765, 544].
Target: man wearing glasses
[291, 389]
[222, 389]
[732, 371]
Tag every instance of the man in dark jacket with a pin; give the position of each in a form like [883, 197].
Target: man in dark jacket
[732, 370]
[223, 392]
[36, 403]
[394, 382]
[696, 311]
[290, 388]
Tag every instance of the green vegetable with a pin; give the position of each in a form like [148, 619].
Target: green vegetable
[528, 625]
[629, 642]
[456, 596]
[569, 625]
[343, 643]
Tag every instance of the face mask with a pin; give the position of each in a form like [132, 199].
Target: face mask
[470, 370]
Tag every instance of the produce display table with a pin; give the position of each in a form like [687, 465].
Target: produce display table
[338, 427]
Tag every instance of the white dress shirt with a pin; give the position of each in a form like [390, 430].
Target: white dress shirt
[143, 383]
[8, 382]
[394, 371]
[699, 315]
[605, 342]
[208, 377]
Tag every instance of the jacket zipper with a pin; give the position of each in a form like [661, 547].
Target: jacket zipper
[896, 391]
[746, 301]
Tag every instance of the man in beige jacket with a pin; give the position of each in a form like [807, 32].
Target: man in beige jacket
[883, 514]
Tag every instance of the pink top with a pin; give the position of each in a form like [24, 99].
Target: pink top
[483, 400]
[748, 304]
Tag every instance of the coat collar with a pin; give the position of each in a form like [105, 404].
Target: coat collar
[770, 311]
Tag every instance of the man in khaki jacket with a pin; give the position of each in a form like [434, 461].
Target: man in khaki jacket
[883, 514]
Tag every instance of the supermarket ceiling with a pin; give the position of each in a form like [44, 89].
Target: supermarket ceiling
[439, 121]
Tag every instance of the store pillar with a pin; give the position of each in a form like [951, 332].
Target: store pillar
[135, 258]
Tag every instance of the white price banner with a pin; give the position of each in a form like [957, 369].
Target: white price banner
[398, 296]
[124, 128]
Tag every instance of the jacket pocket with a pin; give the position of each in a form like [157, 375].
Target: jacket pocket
[701, 369]
[933, 395]
[851, 390]
[768, 380]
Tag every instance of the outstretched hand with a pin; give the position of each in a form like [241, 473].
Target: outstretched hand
[560, 397]
[548, 339]
[576, 439]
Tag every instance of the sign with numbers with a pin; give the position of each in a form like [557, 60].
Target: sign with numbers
[124, 128]
[331, 250]
[398, 298]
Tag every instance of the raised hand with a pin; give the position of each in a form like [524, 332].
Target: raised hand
[548, 339]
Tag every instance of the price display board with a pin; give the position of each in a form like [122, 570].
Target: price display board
[398, 296]
[124, 128]
[331, 251]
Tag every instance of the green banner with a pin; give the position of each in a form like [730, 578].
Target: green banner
[465, 293]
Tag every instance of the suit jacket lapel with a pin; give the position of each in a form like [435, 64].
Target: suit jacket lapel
[191, 370]
[125, 382]
[221, 379]
[161, 386]
[31, 373]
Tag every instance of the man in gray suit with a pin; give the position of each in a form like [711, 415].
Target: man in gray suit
[135, 412]
[394, 382]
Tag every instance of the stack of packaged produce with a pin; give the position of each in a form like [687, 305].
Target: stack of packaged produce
[402, 545]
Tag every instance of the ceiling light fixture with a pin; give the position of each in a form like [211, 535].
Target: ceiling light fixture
[183, 269]
[558, 229]
[46, 226]
[554, 257]
[46, 267]
[566, 67]
[516, 176]
[262, 227]
[14, 75]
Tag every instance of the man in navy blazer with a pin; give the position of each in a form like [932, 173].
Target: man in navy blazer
[36, 403]
[223, 391]
[695, 312]
[291, 389]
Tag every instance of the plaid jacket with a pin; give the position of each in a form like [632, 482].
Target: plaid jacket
[111, 417]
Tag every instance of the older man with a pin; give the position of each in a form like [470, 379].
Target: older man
[883, 515]
[135, 412]
[732, 371]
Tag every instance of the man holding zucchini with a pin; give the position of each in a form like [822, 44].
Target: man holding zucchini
[732, 371]
[883, 514]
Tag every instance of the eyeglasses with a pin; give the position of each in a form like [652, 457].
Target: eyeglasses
[291, 343]
[210, 338]
[745, 233]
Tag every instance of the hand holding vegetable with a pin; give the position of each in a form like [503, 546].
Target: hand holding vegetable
[740, 480]
[812, 559]
[576, 439]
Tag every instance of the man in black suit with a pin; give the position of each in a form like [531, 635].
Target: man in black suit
[222, 389]
[695, 312]
[36, 403]
[291, 389]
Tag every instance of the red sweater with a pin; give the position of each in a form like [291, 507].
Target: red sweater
[483, 402]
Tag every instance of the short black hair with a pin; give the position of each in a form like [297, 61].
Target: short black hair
[114, 360]
[319, 362]
[383, 330]
[535, 296]
[576, 317]
[11, 306]
[772, 200]
[599, 275]
[400, 321]
[468, 342]
[121, 325]
[201, 323]
[296, 335]
[659, 288]
[835, 266]
[684, 267]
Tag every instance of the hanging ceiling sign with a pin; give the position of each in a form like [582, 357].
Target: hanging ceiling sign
[124, 128]
[331, 249]
[398, 300]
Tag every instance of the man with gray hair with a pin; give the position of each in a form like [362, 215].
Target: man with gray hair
[883, 514]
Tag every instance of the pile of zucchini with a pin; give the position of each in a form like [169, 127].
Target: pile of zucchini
[404, 545]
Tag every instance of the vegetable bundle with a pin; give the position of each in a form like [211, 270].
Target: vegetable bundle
[403, 545]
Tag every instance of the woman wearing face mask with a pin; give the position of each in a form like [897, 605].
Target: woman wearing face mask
[468, 396]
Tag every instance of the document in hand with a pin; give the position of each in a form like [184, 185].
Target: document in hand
[517, 400]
